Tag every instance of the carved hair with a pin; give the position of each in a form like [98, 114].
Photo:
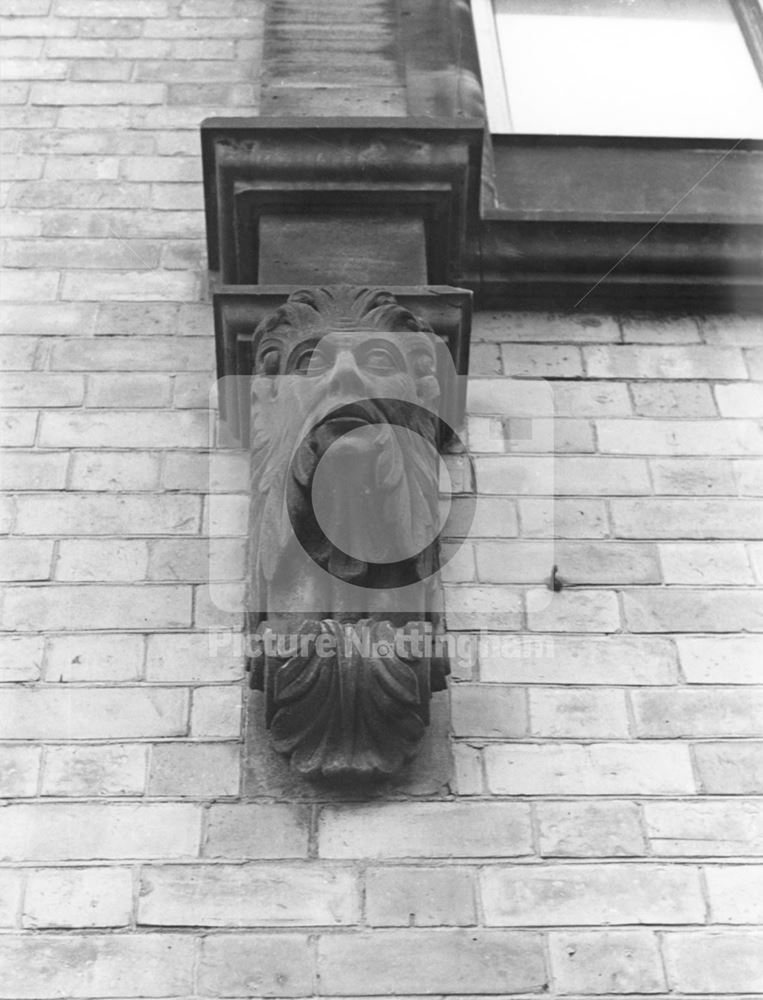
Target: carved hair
[343, 307]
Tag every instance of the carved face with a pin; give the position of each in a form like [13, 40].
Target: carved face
[349, 410]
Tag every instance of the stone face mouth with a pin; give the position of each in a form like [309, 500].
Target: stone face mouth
[353, 415]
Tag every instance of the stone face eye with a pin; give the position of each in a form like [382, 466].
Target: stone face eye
[381, 361]
[271, 362]
[311, 362]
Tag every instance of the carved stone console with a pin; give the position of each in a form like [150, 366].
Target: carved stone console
[343, 392]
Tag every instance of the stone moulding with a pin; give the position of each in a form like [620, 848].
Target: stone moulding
[421, 169]
[346, 609]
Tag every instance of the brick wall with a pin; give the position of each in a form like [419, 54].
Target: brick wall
[600, 832]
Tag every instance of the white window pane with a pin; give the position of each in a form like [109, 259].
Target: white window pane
[628, 67]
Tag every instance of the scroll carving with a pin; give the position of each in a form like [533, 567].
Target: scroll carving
[343, 556]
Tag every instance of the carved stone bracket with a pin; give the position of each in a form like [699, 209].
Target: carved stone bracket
[343, 391]
[345, 623]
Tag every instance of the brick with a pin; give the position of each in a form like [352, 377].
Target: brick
[226, 515]
[114, 561]
[25, 48]
[730, 768]
[728, 328]
[555, 518]
[216, 713]
[90, 771]
[102, 831]
[101, 69]
[494, 517]
[467, 769]
[119, 319]
[693, 476]
[457, 563]
[87, 254]
[589, 829]
[401, 962]
[644, 362]
[104, 514]
[58, 319]
[595, 769]
[563, 659]
[15, 93]
[507, 396]
[721, 828]
[565, 475]
[11, 884]
[162, 168]
[206, 472]
[20, 658]
[471, 607]
[78, 195]
[660, 329]
[569, 714]
[544, 327]
[579, 562]
[488, 710]
[591, 894]
[95, 713]
[67, 607]
[248, 896]
[125, 389]
[679, 437]
[484, 359]
[70, 93]
[116, 965]
[78, 897]
[749, 476]
[485, 435]
[221, 27]
[112, 8]
[270, 965]
[572, 611]
[715, 960]
[25, 559]
[754, 359]
[37, 389]
[740, 400]
[693, 610]
[7, 513]
[685, 518]
[18, 429]
[606, 962]
[218, 606]
[91, 657]
[541, 361]
[17, 353]
[755, 552]
[193, 391]
[194, 770]
[592, 399]
[721, 659]
[130, 285]
[134, 223]
[257, 831]
[114, 471]
[735, 893]
[19, 770]
[418, 829]
[206, 657]
[705, 562]
[134, 353]
[419, 897]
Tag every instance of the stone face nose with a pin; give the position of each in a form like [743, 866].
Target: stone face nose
[345, 375]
